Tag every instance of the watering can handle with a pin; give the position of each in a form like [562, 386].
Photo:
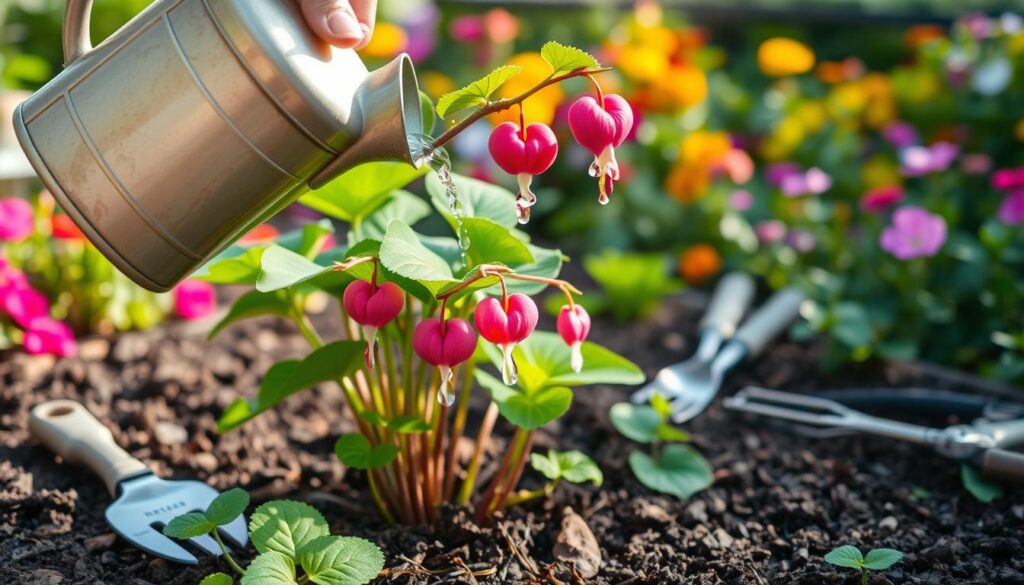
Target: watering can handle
[76, 30]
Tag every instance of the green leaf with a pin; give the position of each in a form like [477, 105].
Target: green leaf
[241, 269]
[427, 111]
[402, 206]
[341, 560]
[526, 410]
[669, 433]
[638, 423]
[189, 526]
[285, 527]
[331, 362]
[270, 568]
[881, 559]
[572, 466]
[661, 406]
[478, 199]
[313, 236]
[681, 471]
[544, 360]
[281, 268]
[633, 283]
[408, 424]
[227, 506]
[547, 264]
[852, 325]
[354, 451]
[476, 94]
[490, 243]
[420, 271]
[252, 304]
[217, 579]
[360, 191]
[982, 490]
[565, 59]
[845, 556]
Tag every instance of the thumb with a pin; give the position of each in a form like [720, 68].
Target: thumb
[336, 22]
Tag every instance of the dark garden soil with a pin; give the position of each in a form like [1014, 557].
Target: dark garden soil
[778, 505]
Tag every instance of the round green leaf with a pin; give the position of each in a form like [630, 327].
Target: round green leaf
[881, 559]
[526, 410]
[639, 423]
[476, 94]
[341, 560]
[982, 490]
[681, 471]
[845, 556]
[546, 465]
[478, 198]
[228, 506]
[189, 526]
[217, 579]
[270, 568]
[354, 451]
[285, 526]
[576, 467]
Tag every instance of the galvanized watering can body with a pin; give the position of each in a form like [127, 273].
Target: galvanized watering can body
[201, 118]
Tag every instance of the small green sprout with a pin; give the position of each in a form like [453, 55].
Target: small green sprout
[289, 536]
[571, 466]
[674, 469]
[850, 557]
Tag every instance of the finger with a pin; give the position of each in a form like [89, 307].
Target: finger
[366, 13]
[335, 22]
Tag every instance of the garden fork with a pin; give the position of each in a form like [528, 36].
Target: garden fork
[144, 502]
[983, 443]
[691, 385]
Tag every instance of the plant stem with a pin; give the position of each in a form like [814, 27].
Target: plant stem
[482, 437]
[863, 576]
[461, 414]
[527, 495]
[504, 104]
[488, 270]
[227, 555]
[522, 454]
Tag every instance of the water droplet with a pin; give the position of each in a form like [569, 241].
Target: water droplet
[522, 212]
[445, 397]
[438, 160]
[509, 369]
[603, 199]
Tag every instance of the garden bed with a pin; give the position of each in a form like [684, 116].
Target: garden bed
[779, 503]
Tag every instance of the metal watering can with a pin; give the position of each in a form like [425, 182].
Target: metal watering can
[200, 119]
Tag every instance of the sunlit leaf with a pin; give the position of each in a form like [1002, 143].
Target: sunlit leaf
[679, 471]
[845, 556]
[285, 527]
[354, 450]
[477, 93]
[526, 410]
[341, 560]
[564, 59]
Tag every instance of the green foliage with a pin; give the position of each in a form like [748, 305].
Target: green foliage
[982, 490]
[850, 557]
[271, 568]
[253, 304]
[341, 560]
[564, 59]
[285, 527]
[526, 409]
[331, 362]
[572, 466]
[632, 284]
[478, 199]
[354, 450]
[227, 507]
[359, 192]
[189, 526]
[679, 470]
[217, 579]
[476, 94]
[645, 424]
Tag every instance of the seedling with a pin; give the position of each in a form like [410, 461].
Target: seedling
[288, 536]
[415, 307]
[571, 466]
[848, 556]
[671, 467]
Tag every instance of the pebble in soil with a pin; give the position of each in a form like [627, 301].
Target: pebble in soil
[778, 505]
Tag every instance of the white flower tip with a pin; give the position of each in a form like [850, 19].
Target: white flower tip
[576, 357]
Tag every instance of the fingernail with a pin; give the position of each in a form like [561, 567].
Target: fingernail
[344, 26]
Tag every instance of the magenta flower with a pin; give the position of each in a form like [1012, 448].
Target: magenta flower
[10, 277]
[195, 299]
[776, 173]
[914, 233]
[741, 200]
[802, 241]
[46, 335]
[922, 160]
[770, 231]
[24, 304]
[900, 135]
[814, 182]
[1011, 212]
[444, 344]
[523, 153]
[601, 127]
[879, 199]
[1008, 179]
[372, 306]
[505, 325]
[574, 326]
[16, 220]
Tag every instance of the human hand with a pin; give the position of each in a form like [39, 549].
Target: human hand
[343, 23]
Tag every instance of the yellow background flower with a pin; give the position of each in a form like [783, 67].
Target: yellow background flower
[780, 57]
[540, 107]
[387, 41]
[698, 263]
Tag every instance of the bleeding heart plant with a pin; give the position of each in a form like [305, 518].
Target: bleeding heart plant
[600, 126]
[415, 295]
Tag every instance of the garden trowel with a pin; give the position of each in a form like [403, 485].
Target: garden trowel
[144, 503]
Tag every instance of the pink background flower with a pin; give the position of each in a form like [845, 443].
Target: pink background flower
[46, 335]
[16, 220]
[1011, 212]
[914, 233]
[195, 299]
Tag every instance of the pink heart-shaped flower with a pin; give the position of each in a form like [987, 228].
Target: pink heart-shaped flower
[531, 156]
[503, 326]
[447, 345]
[597, 128]
[374, 306]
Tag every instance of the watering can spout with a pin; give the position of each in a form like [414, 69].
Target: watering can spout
[387, 104]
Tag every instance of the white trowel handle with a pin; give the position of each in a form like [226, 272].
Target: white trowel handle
[730, 301]
[72, 432]
[770, 320]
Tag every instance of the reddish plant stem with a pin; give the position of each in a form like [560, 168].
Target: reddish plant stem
[461, 414]
[482, 438]
[510, 486]
[504, 104]
[483, 509]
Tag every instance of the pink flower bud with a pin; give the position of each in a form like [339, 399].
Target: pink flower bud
[16, 219]
[505, 326]
[195, 299]
[444, 345]
[45, 335]
[574, 326]
[24, 304]
[523, 154]
[373, 307]
[600, 128]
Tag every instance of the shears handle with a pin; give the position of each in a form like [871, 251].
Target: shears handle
[1002, 466]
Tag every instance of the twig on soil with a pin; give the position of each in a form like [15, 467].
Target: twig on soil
[753, 569]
